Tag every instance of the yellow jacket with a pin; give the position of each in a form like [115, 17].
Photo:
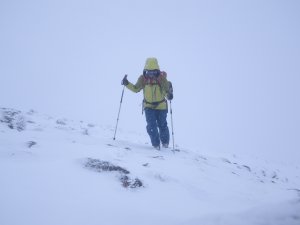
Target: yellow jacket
[154, 91]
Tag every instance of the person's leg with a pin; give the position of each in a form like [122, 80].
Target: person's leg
[152, 126]
[163, 127]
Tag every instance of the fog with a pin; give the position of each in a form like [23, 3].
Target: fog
[234, 66]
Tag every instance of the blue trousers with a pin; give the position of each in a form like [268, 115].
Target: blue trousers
[157, 126]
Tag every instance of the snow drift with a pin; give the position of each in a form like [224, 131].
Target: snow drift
[59, 171]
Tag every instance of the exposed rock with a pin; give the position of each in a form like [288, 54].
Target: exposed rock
[61, 122]
[225, 160]
[247, 167]
[158, 157]
[13, 118]
[123, 174]
[202, 157]
[274, 175]
[127, 182]
[31, 143]
[101, 166]
[85, 131]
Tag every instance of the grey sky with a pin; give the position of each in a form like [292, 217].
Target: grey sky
[234, 66]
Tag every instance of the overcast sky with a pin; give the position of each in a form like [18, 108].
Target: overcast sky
[234, 66]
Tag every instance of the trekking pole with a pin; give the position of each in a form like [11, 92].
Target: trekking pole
[119, 110]
[171, 111]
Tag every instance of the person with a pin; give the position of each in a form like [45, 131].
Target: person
[156, 91]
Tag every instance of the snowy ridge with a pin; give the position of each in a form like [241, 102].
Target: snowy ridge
[59, 171]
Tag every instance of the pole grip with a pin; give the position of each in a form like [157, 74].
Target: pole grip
[125, 77]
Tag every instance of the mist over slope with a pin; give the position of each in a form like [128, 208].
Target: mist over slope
[234, 66]
[59, 171]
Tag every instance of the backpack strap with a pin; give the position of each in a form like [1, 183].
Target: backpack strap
[152, 80]
[155, 104]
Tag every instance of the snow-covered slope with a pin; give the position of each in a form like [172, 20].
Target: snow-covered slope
[54, 171]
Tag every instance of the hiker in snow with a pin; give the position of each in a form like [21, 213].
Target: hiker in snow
[157, 89]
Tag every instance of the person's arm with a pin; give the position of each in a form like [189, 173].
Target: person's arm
[138, 86]
[170, 92]
[165, 84]
[167, 87]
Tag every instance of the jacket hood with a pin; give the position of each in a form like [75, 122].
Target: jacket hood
[151, 64]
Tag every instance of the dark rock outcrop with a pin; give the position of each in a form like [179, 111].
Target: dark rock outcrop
[123, 174]
[13, 119]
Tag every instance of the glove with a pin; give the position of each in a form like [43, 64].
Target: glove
[170, 91]
[170, 96]
[125, 81]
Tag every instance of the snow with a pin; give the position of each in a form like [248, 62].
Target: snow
[279, 214]
[234, 66]
[48, 182]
